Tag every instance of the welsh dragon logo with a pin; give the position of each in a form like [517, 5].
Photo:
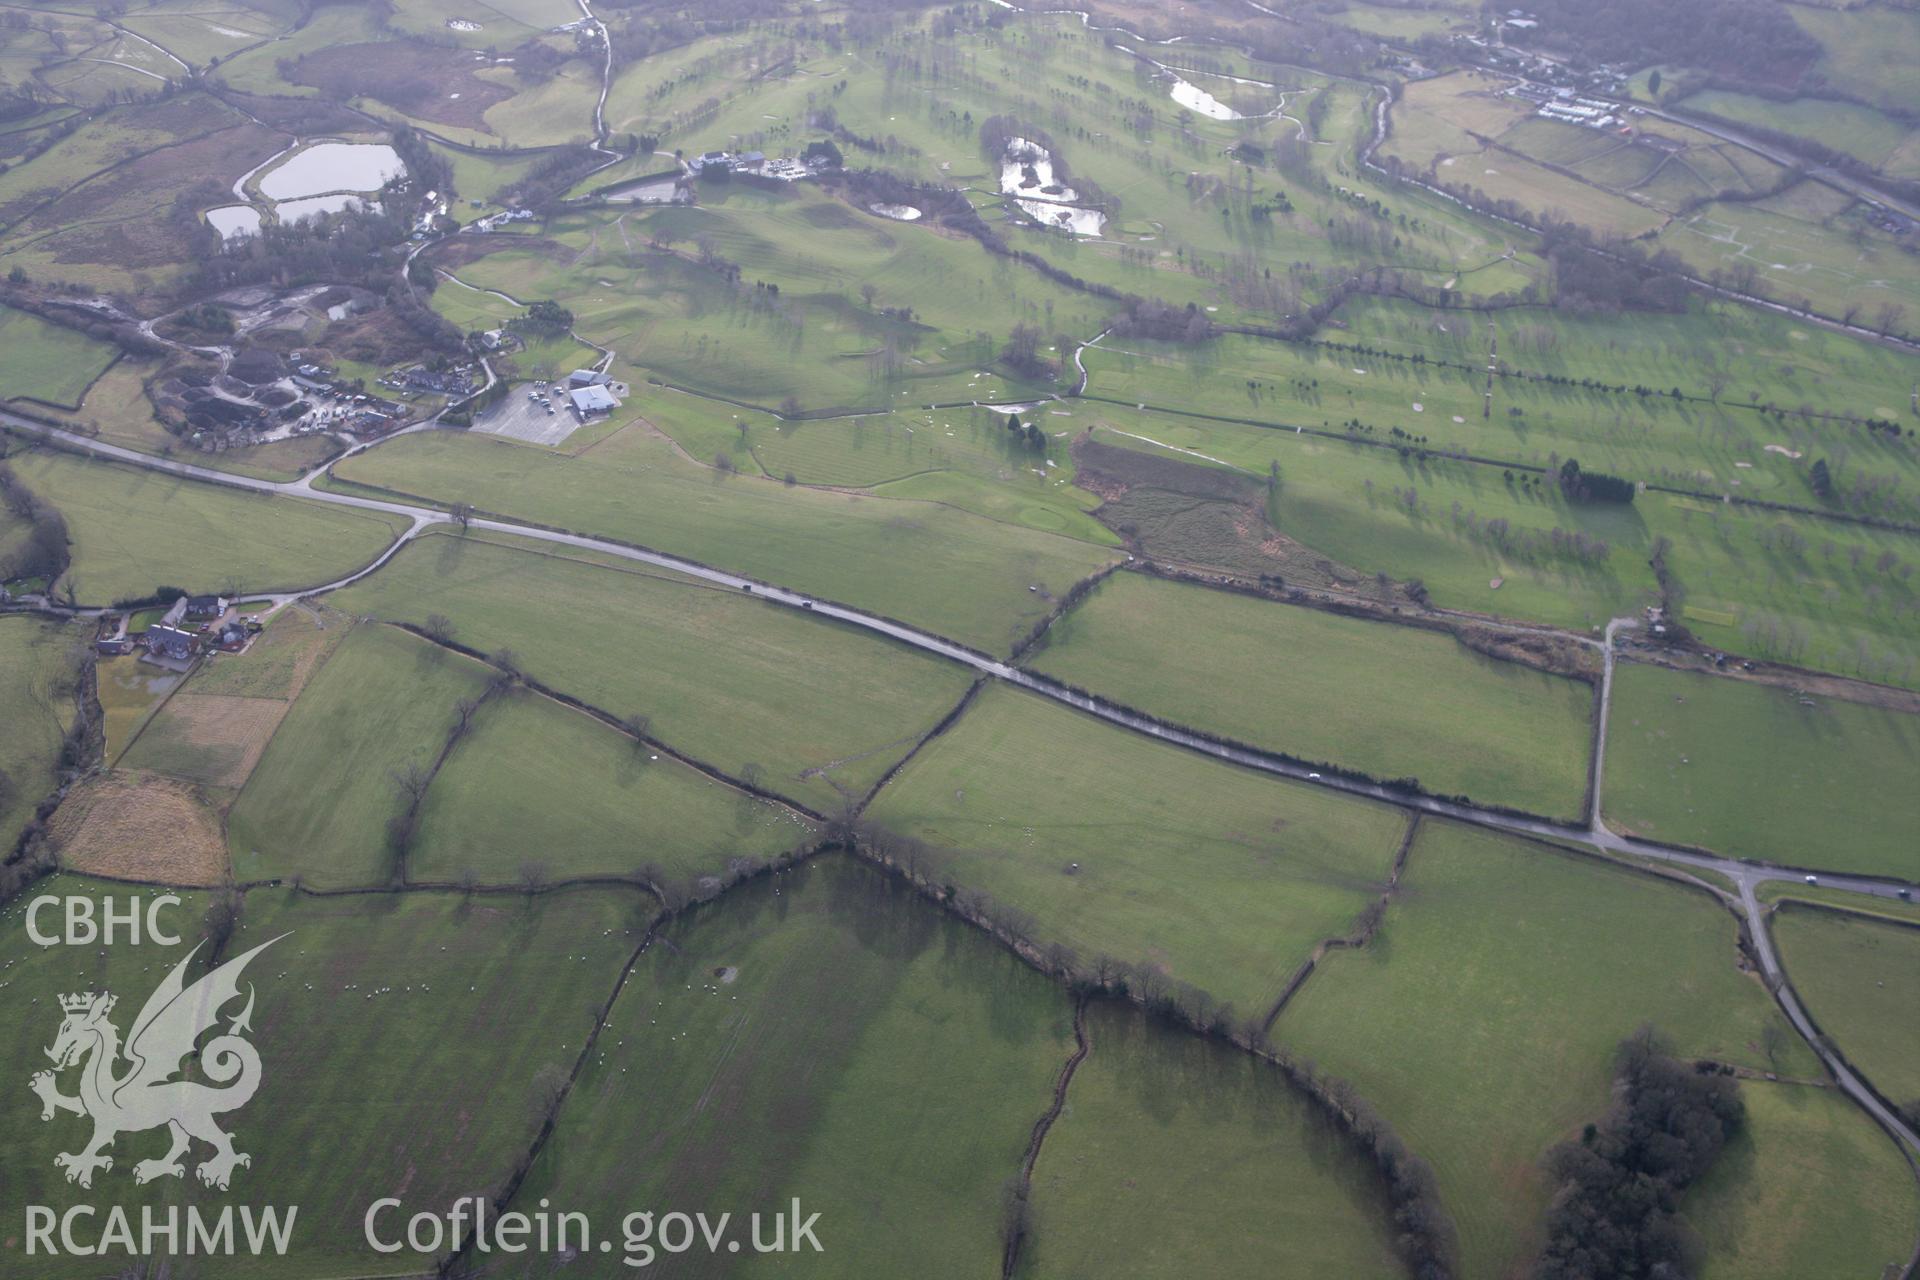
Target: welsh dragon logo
[149, 1092]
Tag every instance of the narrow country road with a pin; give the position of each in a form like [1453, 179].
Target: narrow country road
[1746, 876]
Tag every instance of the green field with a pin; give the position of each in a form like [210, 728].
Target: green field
[822, 1034]
[39, 661]
[1819, 593]
[1809, 1187]
[1844, 126]
[1750, 771]
[931, 565]
[1858, 978]
[1867, 46]
[1390, 701]
[820, 711]
[404, 1040]
[133, 530]
[1481, 1022]
[317, 805]
[1116, 846]
[541, 790]
[41, 361]
[1170, 1146]
[277, 664]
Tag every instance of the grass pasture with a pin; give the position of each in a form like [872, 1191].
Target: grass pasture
[819, 711]
[1844, 126]
[1112, 845]
[1170, 1146]
[38, 662]
[827, 1034]
[1807, 244]
[133, 530]
[44, 362]
[872, 553]
[1390, 701]
[318, 802]
[1749, 771]
[1860, 980]
[1809, 1187]
[404, 1041]
[1482, 1020]
[1867, 46]
[1767, 583]
[540, 789]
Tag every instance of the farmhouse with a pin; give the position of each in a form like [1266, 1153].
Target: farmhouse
[165, 641]
[203, 608]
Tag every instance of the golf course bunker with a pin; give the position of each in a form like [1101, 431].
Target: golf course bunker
[1194, 98]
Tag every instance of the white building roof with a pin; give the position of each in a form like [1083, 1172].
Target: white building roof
[593, 400]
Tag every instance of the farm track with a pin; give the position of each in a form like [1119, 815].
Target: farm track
[1595, 837]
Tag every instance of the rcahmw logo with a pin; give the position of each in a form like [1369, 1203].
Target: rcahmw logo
[136, 1086]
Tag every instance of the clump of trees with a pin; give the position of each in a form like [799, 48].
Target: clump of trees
[1616, 1212]
[1028, 434]
[1023, 354]
[544, 319]
[1593, 486]
[1613, 277]
[1165, 321]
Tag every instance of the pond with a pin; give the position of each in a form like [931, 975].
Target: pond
[235, 221]
[333, 166]
[1026, 172]
[898, 212]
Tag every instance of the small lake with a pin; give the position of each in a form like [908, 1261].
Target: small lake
[235, 221]
[333, 166]
[313, 206]
[898, 212]
[1026, 173]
